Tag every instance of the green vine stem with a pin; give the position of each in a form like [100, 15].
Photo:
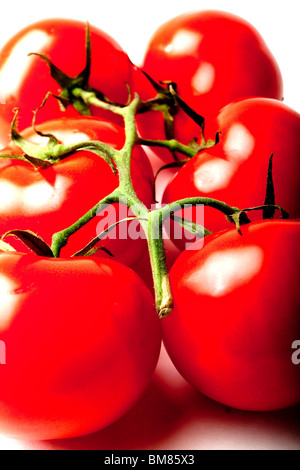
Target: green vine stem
[77, 92]
[172, 145]
[226, 209]
[120, 161]
[60, 239]
[162, 287]
[151, 221]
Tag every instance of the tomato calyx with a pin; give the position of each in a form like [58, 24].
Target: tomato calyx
[68, 84]
[42, 157]
[169, 102]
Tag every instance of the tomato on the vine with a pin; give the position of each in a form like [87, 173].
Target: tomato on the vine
[235, 169]
[49, 200]
[25, 81]
[82, 339]
[214, 58]
[236, 316]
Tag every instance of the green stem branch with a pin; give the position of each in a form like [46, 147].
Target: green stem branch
[172, 145]
[90, 98]
[60, 239]
[226, 209]
[162, 287]
[151, 221]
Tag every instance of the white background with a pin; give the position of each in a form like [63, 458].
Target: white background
[172, 415]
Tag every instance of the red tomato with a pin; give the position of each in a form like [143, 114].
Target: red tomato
[235, 170]
[25, 81]
[214, 58]
[82, 341]
[49, 200]
[236, 316]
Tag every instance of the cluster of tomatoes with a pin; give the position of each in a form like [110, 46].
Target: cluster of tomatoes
[81, 333]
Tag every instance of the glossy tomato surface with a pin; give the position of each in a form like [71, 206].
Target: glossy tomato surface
[235, 170]
[236, 316]
[82, 341]
[46, 201]
[25, 80]
[214, 58]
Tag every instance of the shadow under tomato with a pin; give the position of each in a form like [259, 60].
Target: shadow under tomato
[173, 415]
[143, 427]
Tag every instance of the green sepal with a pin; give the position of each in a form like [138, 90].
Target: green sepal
[157, 86]
[22, 158]
[32, 241]
[195, 229]
[197, 118]
[239, 218]
[59, 76]
[38, 156]
[85, 74]
[269, 211]
[53, 152]
[284, 213]
[90, 249]
[68, 83]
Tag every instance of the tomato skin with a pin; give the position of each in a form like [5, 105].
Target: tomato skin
[80, 351]
[237, 314]
[209, 73]
[49, 200]
[235, 170]
[25, 81]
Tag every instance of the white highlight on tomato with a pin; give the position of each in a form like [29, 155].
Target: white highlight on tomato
[8, 195]
[38, 194]
[9, 299]
[213, 175]
[183, 42]
[19, 60]
[204, 78]
[239, 143]
[216, 173]
[75, 138]
[226, 270]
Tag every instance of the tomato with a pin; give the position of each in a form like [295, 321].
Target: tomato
[214, 58]
[25, 81]
[82, 340]
[235, 170]
[49, 200]
[236, 316]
